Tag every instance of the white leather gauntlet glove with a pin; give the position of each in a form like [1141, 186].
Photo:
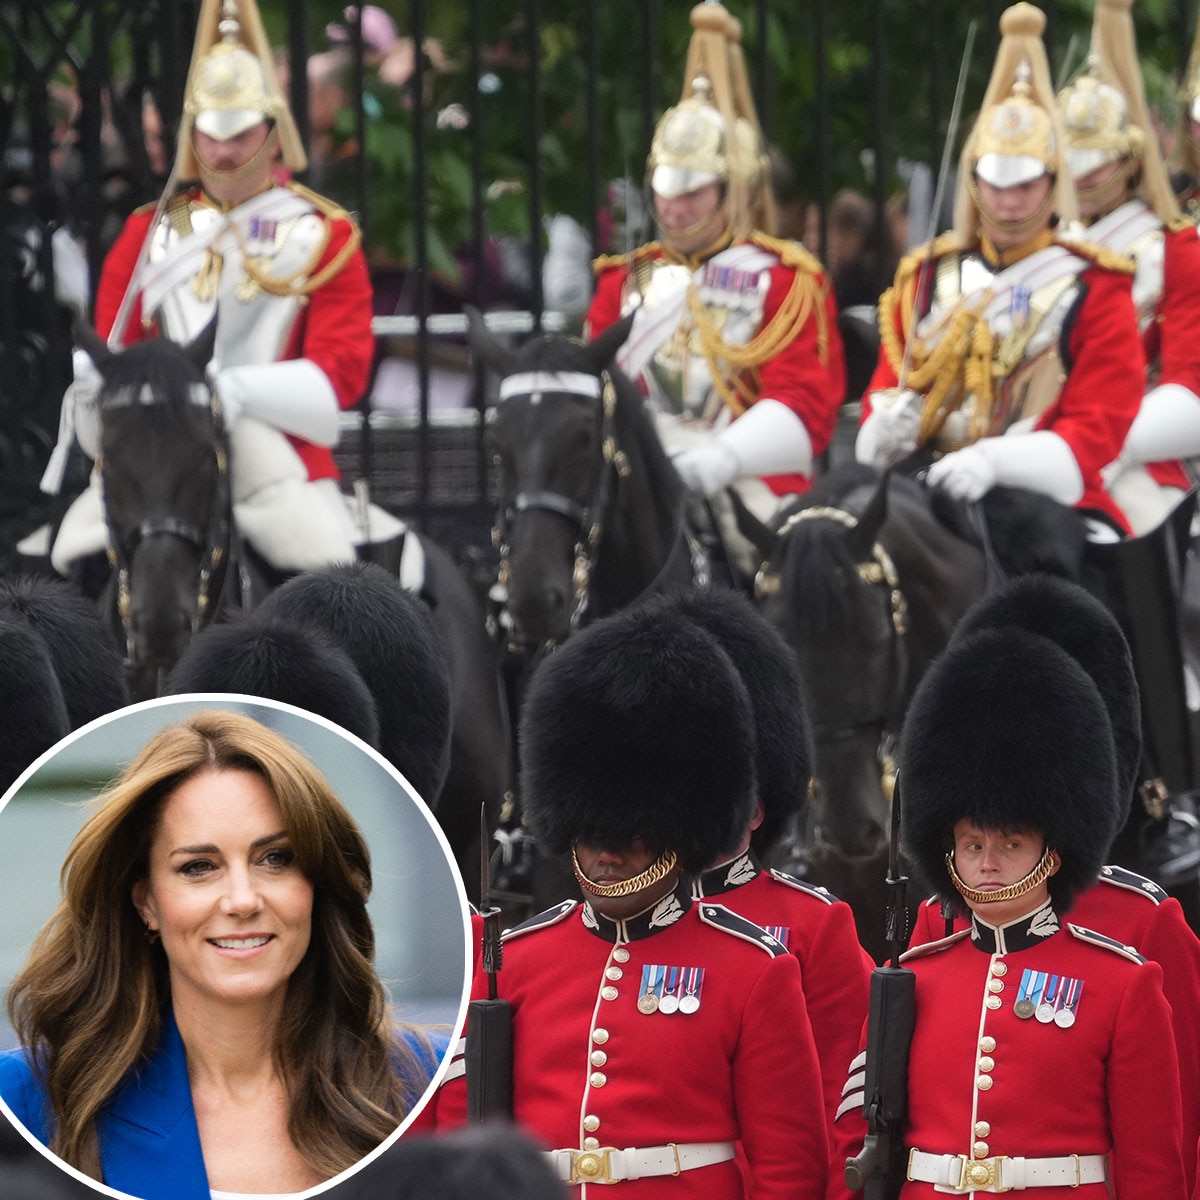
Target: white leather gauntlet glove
[70, 271]
[1039, 461]
[78, 420]
[294, 396]
[767, 439]
[890, 430]
[1167, 426]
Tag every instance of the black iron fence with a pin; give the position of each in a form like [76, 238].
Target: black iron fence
[454, 157]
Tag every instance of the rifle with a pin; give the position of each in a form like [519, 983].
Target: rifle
[488, 1055]
[880, 1167]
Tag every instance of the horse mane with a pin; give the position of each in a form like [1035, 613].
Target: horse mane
[554, 352]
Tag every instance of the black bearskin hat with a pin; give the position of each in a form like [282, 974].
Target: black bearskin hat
[639, 727]
[1090, 634]
[1008, 730]
[783, 739]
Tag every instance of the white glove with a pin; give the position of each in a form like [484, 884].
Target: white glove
[70, 272]
[567, 270]
[707, 469]
[890, 430]
[767, 439]
[1040, 462]
[78, 420]
[295, 396]
[1167, 426]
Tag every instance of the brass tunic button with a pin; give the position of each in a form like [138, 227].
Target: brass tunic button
[993, 1002]
[591, 1123]
[613, 973]
[999, 968]
[598, 1079]
[987, 1044]
[599, 1036]
[986, 1064]
[591, 1143]
[620, 954]
[984, 1083]
[609, 993]
[599, 1058]
[980, 1149]
[995, 985]
[982, 1129]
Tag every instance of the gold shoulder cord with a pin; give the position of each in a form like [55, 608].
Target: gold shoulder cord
[727, 363]
[963, 354]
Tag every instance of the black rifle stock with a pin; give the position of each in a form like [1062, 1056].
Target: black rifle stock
[880, 1167]
[488, 1054]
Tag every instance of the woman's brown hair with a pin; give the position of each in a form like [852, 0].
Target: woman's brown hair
[90, 1002]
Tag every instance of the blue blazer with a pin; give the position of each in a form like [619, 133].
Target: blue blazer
[149, 1142]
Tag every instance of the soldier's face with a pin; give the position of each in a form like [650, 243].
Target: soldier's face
[222, 157]
[692, 220]
[1005, 211]
[988, 860]
[1101, 190]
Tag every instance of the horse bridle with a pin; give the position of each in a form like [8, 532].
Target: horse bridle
[877, 571]
[588, 518]
[209, 541]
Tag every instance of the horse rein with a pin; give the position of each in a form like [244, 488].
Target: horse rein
[210, 542]
[878, 570]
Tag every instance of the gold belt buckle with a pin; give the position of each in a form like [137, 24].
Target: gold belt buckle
[980, 1174]
[592, 1166]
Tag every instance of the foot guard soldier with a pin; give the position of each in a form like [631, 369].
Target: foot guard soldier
[1043, 1056]
[1121, 904]
[660, 1043]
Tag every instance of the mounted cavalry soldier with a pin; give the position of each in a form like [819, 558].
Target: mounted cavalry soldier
[282, 271]
[1009, 352]
[1126, 201]
[736, 340]
[1042, 1058]
[660, 1043]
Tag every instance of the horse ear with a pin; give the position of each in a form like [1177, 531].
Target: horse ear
[200, 348]
[758, 534]
[603, 350]
[90, 342]
[866, 533]
[492, 352]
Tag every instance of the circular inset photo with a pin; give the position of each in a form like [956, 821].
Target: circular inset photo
[235, 952]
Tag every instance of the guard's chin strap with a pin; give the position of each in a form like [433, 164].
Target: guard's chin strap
[1037, 876]
[657, 871]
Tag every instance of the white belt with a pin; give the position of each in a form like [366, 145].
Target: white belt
[956, 1173]
[607, 1164]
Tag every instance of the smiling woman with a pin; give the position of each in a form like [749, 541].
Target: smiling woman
[202, 1015]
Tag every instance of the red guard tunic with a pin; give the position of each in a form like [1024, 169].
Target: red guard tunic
[1138, 913]
[1083, 354]
[985, 1083]
[761, 295]
[819, 931]
[593, 1069]
[330, 326]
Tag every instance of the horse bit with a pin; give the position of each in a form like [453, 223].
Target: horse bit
[876, 571]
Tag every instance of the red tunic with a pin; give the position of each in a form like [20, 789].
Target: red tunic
[333, 329]
[588, 1064]
[1171, 345]
[1101, 351]
[984, 1083]
[819, 931]
[812, 385]
[1138, 913]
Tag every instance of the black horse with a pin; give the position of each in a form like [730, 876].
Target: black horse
[591, 514]
[866, 585]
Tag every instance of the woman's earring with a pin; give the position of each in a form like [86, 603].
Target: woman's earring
[151, 934]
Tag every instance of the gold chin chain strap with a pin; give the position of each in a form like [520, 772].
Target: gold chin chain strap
[1038, 875]
[659, 869]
